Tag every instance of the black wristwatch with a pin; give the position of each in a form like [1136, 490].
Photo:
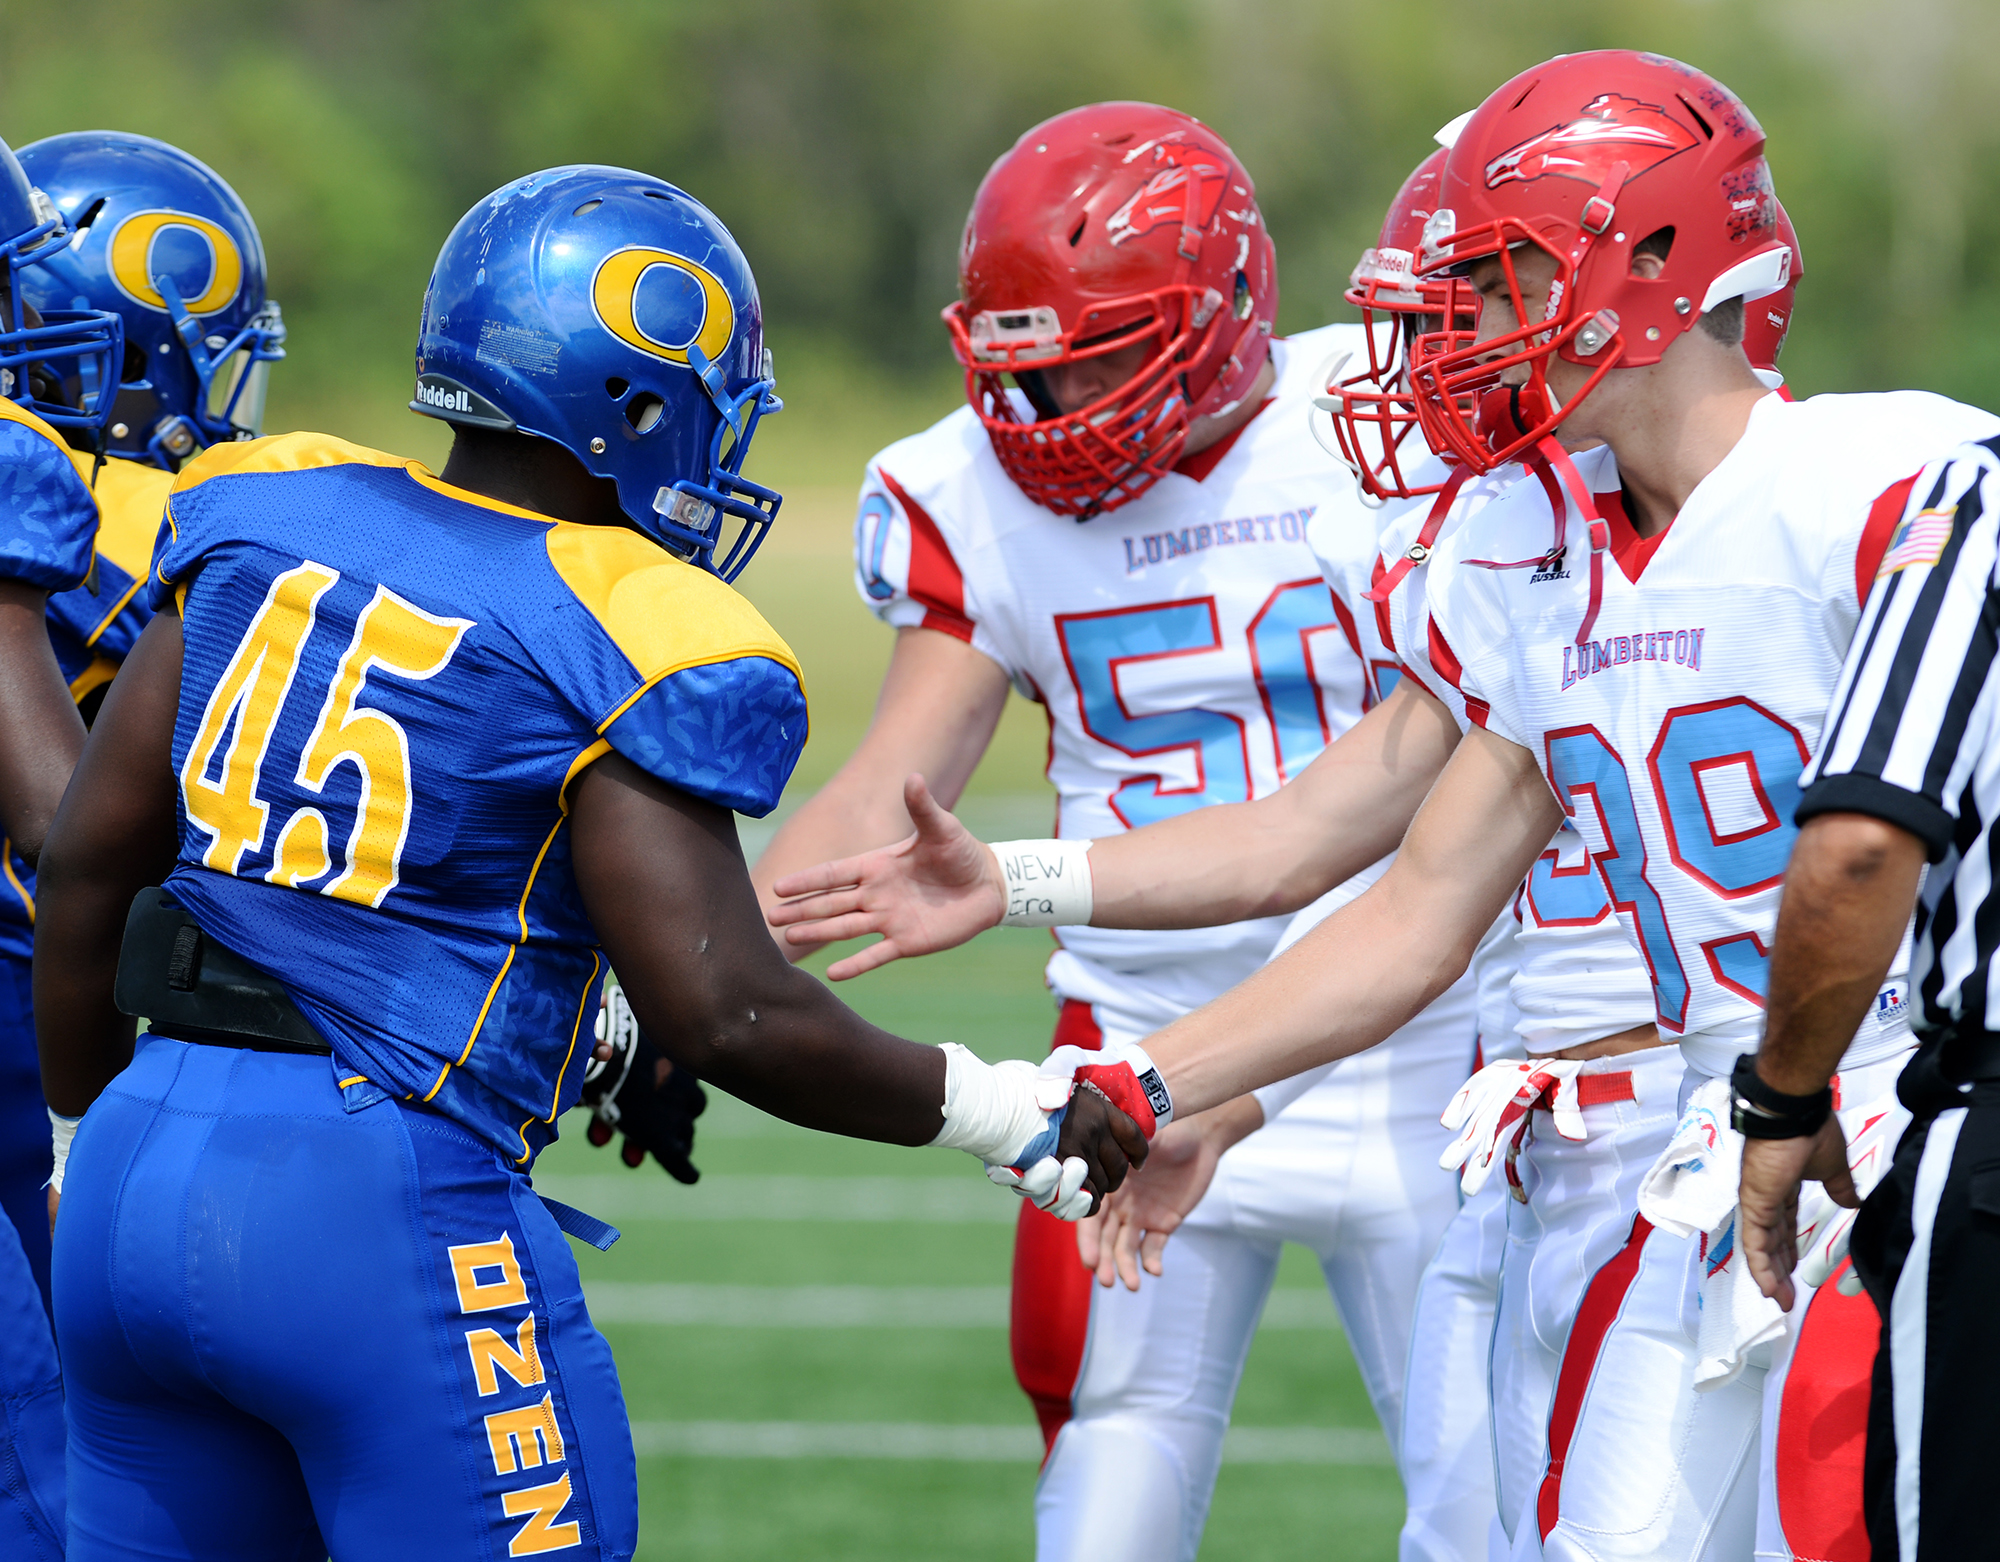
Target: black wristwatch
[1756, 1111]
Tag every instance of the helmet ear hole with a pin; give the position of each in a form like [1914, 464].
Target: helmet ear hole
[644, 412]
[134, 367]
[1659, 244]
[616, 388]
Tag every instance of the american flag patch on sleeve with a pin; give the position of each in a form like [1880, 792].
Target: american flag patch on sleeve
[1919, 540]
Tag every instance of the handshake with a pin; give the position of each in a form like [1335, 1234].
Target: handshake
[1062, 1135]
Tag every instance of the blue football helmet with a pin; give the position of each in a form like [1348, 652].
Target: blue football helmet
[166, 245]
[76, 345]
[612, 313]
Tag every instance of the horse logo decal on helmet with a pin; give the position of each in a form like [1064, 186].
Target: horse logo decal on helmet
[1611, 129]
[1166, 198]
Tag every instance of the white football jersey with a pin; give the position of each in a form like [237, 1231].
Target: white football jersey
[1562, 971]
[1184, 645]
[1674, 731]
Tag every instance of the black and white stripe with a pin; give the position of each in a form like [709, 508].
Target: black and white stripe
[1913, 734]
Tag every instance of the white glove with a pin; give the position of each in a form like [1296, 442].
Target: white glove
[1491, 1113]
[1829, 1240]
[1010, 1114]
[1868, 1156]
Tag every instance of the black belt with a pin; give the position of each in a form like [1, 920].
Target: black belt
[192, 988]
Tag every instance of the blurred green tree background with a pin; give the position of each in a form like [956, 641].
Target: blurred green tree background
[841, 141]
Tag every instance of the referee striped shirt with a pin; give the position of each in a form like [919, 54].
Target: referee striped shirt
[1913, 732]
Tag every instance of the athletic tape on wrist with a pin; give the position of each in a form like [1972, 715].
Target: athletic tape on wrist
[1048, 882]
[61, 1131]
[995, 1110]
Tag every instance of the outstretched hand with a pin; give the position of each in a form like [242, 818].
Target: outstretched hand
[932, 890]
[1130, 1229]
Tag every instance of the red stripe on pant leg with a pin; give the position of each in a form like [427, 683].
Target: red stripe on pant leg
[1823, 1427]
[1050, 1311]
[1601, 1304]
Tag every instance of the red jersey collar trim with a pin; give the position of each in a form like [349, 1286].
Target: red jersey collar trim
[1202, 462]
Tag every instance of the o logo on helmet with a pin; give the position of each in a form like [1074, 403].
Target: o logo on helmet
[683, 304]
[134, 260]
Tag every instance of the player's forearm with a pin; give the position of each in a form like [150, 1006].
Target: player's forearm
[1353, 981]
[114, 835]
[1849, 891]
[42, 732]
[83, 1040]
[1273, 856]
[786, 1045]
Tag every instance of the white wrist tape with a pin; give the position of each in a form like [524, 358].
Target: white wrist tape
[61, 1130]
[1048, 882]
[995, 1110]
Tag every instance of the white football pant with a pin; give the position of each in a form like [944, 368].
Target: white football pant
[1349, 1170]
[1572, 1215]
[1446, 1455]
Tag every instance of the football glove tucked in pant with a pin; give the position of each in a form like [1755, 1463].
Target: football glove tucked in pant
[627, 1094]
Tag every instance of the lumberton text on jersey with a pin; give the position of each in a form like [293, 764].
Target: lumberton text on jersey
[1157, 547]
[1682, 647]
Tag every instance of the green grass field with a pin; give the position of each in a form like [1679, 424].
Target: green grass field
[706, 1302]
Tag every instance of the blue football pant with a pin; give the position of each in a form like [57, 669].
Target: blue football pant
[31, 1406]
[294, 1331]
[31, 1415]
[24, 1123]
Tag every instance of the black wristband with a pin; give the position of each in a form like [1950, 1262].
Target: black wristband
[1757, 1111]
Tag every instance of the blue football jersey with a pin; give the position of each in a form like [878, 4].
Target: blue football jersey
[48, 521]
[389, 684]
[94, 626]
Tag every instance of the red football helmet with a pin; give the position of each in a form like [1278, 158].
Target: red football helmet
[1768, 321]
[1107, 226]
[1371, 407]
[1584, 158]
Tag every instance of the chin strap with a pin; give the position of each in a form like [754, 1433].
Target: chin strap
[1567, 491]
[1419, 551]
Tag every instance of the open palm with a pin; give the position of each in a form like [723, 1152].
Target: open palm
[932, 890]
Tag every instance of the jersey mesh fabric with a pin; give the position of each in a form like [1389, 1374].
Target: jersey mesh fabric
[445, 954]
[1676, 735]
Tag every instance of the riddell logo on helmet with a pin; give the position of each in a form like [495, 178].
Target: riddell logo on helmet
[444, 400]
[1611, 129]
[1163, 199]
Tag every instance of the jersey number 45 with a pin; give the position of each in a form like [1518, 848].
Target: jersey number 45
[224, 770]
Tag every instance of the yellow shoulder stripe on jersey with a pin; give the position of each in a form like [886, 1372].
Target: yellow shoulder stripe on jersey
[14, 412]
[663, 614]
[300, 452]
[101, 669]
[131, 498]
